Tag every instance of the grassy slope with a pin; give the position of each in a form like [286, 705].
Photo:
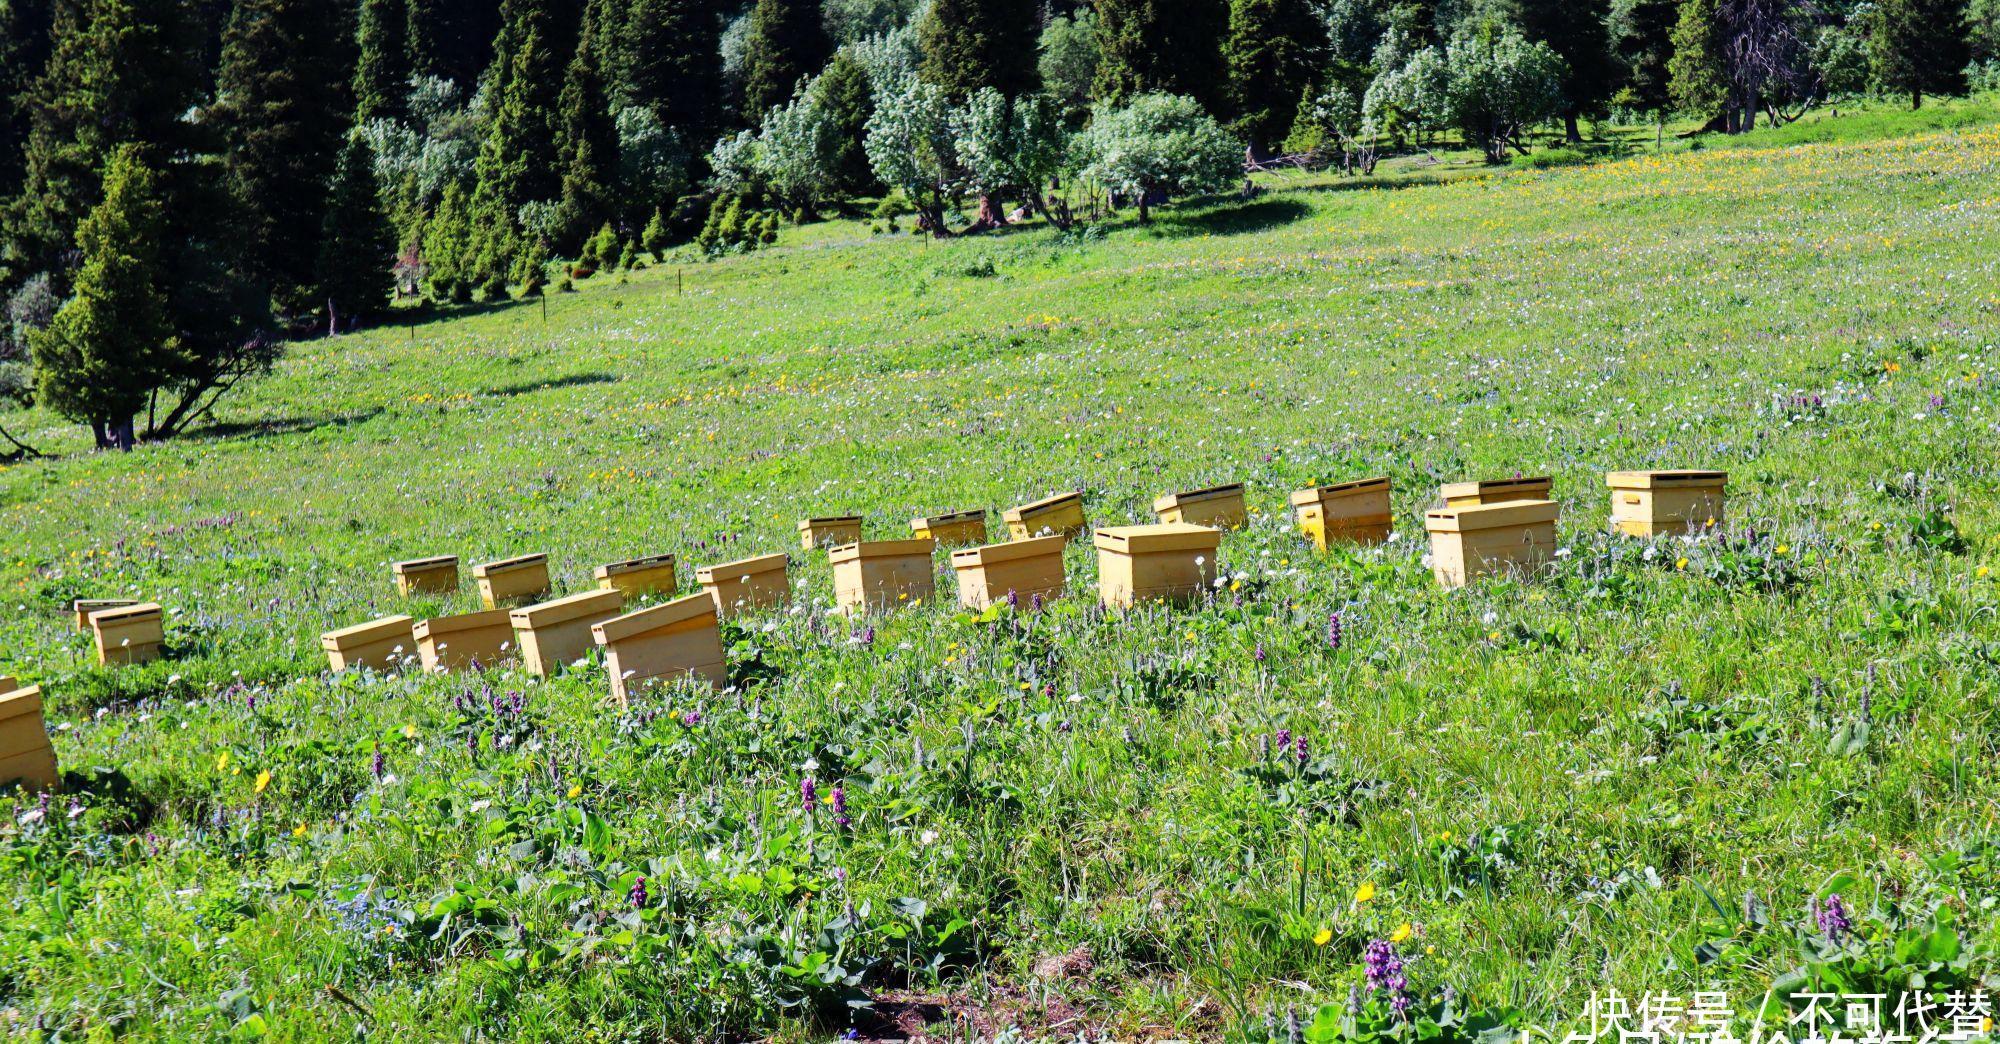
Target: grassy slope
[1661, 311]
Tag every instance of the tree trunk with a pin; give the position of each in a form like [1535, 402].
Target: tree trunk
[1145, 215]
[100, 431]
[21, 449]
[1571, 132]
[125, 438]
[991, 215]
[1916, 100]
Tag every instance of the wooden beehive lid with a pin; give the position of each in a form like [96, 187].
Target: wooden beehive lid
[443, 625]
[646, 621]
[87, 606]
[20, 703]
[1169, 536]
[418, 565]
[508, 565]
[367, 633]
[950, 518]
[829, 520]
[742, 567]
[1044, 506]
[881, 549]
[569, 607]
[8, 683]
[1495, 487]
[1491, 516]
[633, 565]
[1011, 551]
[124, 614]
[1196, 496]
[1670, 479]
[1317, 494]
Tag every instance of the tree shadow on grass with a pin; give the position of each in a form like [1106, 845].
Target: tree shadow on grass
[272, 426]
[1259, 216]
[574, 380]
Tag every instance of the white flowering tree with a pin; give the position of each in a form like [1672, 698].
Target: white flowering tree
[798, 150]
[1499, 85]
[911, 147]
[1008, 148]
[1159, 145]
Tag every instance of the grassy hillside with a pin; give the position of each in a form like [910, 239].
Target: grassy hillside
[1635, 774]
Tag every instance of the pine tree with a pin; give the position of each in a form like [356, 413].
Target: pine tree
[25, 44]
[969, 44]
[672, 64]
[1576, 30]
[357, 245]
[1642, 39]
[1271, 54]
[590, 140]
[1920, 47]
[519, 160]
[285, 106]
[1161, 46]
[453, 39]
[846, 94]
[447, 248]
[99, 359]
[787, 42]
[1699, 78]
[119, 71]
[382, 72]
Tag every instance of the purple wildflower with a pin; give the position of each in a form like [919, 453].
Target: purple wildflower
[1259, 654]
[1300, 749]
[840, 805]
[1385, 974]
[1832, 918]
[638, 895]
[1333, 634]
[1035, 603]
[1284, 740]
[808, 793]
[377, 763]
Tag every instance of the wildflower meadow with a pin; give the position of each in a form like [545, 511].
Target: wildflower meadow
[1330, 801]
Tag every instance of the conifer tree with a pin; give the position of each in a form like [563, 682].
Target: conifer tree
[590, 139]
[969, 44]
[787, 42]
[1920, 47]
[357, 245]
[1161, 46]
[1698, 77]
[1642, 40]
[848, 98]
[96, 362]
[24, 51]
[1271, 54]
[519, 160]
[453, 39]
[119, 71]
[285, 105]
[1577, 31]
[672, 64]
[382, 71]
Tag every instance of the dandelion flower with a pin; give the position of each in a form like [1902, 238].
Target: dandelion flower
[263, 780]
[1365, 892]
[1322, 937]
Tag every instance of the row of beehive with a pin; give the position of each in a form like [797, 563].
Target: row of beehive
[1484, 527]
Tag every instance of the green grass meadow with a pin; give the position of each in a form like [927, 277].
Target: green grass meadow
[1637, 773]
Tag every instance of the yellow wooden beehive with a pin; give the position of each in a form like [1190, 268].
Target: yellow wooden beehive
[639, 577]
[1494, 491]
[1061, 514]
[455, 643]
[436, 575]
[26, 756]
[1023, 568]
[1221, 507]
[1517, 536]
[512, 581]
[128, 633]
[1355, 512]
[1173, 562]
[883, 574]
[747, 585]
[1664, 503]
[831, 531]
[380, 643]
[957, 527]
[83, 607]
[680, 638]
[553, 634]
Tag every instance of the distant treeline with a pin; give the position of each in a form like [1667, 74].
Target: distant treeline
[188, 183]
